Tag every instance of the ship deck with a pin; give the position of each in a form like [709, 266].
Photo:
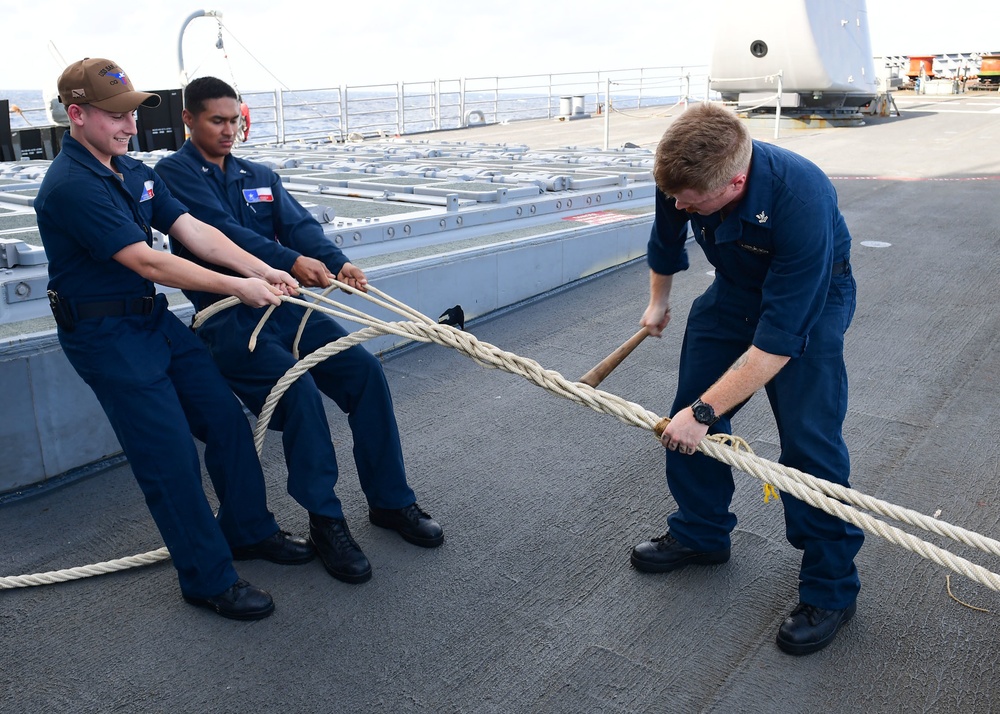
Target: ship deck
[531, 605]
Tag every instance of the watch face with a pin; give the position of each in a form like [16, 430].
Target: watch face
[703, 413]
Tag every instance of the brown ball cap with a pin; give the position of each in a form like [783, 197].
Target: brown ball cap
[102, 83]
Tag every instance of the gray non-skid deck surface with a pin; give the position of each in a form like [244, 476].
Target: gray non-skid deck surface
[530, 605]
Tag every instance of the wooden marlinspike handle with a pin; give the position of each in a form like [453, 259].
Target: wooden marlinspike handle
[607, 365]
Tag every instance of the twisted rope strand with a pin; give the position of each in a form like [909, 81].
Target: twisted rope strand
[747, 461]
[84, 571]
[774, 475]
[832, 498]
[819, 493]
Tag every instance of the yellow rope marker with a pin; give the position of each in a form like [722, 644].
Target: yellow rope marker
[837, 500]
[735, 442]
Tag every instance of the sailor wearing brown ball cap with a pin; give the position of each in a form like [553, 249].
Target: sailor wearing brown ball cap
[97, 209]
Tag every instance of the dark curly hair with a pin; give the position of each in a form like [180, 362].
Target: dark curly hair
[204, 89]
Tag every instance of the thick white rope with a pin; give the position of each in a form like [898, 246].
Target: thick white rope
[84, 571]
[829, 497]
[822, 494]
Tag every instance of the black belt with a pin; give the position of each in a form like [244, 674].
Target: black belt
[841, 268]
[114, 308]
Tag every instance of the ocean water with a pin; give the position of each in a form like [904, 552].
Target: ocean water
[319, 113]
[333, 114]
[31, 102]
[327, 113]
[412, 107]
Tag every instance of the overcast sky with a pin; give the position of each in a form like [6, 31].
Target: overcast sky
[325, 43]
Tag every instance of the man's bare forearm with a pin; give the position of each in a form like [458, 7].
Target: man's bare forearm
[751, 371]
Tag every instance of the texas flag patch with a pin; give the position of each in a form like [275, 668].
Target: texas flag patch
[147, 191]
[258, 195]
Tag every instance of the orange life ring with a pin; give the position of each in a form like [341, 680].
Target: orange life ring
[245, 120]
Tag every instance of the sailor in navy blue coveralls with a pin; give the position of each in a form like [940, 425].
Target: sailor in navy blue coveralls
[248, 203]
[783, 284]
[153, 377]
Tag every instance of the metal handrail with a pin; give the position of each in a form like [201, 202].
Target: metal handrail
[19, 115]
[430, 105]
[335, 113]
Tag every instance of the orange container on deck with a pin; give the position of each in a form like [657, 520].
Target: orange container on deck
[989, 68]
[916, 63]
[990, 65]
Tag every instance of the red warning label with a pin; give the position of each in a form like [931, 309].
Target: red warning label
[599, 218]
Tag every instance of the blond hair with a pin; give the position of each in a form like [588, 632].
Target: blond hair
[706, 147]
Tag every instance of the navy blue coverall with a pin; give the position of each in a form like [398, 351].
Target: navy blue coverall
[248, 203]
[155, 380]
[783, 284]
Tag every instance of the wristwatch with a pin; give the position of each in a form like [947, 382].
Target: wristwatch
[704, 413]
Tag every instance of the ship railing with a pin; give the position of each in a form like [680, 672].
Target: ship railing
[30, 116]
[623, 94]
[281, 115]
[362, 111]
[759, 100]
